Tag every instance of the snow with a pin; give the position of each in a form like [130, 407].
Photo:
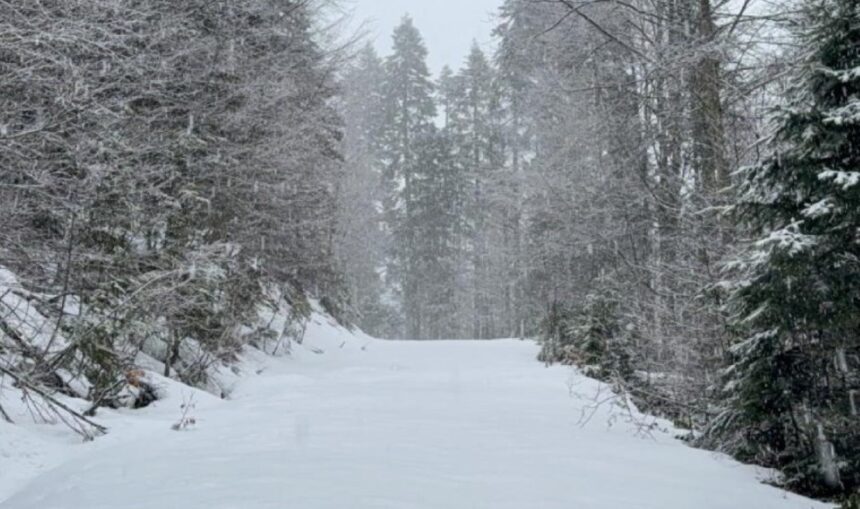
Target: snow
[846, 179]
[846, 115]
[349, 422]
[21, 315]
[789, 239]
[820, 208]
[843, 75]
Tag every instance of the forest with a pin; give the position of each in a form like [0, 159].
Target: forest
[664, 193]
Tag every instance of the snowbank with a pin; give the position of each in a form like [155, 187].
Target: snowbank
[38, 441]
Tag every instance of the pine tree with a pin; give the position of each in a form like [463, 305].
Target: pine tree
[362, 243]
[437, 214]
[516, 62]
[447, 92]
[410, 114]
[473, 122]
[595, 337]
[793, 390]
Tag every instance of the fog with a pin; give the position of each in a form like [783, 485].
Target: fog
[448, 26]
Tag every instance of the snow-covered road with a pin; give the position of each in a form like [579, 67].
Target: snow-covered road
[399, 425]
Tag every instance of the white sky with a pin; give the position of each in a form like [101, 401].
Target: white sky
[448, 26]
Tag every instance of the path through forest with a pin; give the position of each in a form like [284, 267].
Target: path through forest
[400, 425]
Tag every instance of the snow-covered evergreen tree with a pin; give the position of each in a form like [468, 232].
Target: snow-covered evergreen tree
[362, 242]
[437, 225]
[410, 114]
[473, 119]
[793, 389]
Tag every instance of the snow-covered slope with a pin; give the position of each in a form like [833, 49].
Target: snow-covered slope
[350, 423]
[29, 447]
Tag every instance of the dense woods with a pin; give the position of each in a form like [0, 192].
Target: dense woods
[665, 192]
[166, 169]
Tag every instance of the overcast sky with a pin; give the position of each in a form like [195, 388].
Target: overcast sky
[448, 26]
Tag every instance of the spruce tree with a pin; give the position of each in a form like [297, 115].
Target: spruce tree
[473, 122]
[794, 381]
[410, 114]
[437, 213]
[362, 242]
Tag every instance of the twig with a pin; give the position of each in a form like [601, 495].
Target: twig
[5, 415]
[56, 403]
[67, 276]
[185, 420]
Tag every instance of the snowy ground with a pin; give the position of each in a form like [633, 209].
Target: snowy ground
[372, 424]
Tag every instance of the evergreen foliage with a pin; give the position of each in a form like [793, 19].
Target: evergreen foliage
[793, 384]
[594, 337]
[410, 111]
[363, 244]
